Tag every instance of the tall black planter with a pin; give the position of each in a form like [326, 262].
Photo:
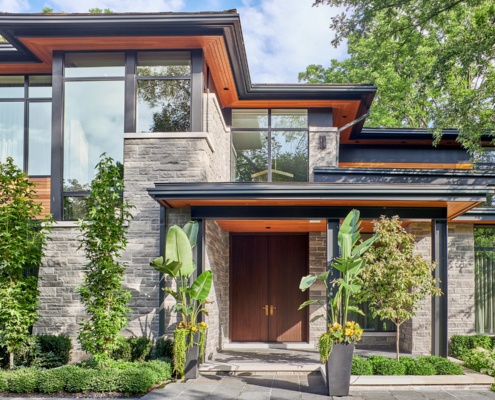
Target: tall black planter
[191, 370]
[339, 366]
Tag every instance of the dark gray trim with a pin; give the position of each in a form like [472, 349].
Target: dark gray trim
[295, 212]
[162, 283]
[401, 133]
[478, 214]
[439, 304]
[391, 176]
[26, 126]
[333, 226]
[56, 206]
[315, 191]
[196, 90]
[130, 92]
[199, 254]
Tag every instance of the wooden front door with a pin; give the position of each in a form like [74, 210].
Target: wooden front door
[265, 271]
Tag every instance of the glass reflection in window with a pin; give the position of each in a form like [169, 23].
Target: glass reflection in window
[12, 132]
[11, 87]
[289, 156]
[163, 105]
[248, 119]
[84, 65]
[250, 155]
[40, 138]
[93, 124]
[289, 119]
[40, 86]
[161, 63]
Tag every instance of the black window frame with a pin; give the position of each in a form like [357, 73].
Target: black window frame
[130, 111]
[269, 131]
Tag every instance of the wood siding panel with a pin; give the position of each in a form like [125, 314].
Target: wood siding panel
[43, 192]
[404, 165]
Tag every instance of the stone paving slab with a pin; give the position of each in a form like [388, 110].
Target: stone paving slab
[301, 387]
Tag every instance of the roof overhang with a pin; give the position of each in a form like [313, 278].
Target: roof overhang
[34, 37]
[312, 200]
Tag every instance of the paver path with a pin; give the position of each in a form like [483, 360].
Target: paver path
[289, 387]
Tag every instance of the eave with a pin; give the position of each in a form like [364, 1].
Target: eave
[453, 199]
[34, 38]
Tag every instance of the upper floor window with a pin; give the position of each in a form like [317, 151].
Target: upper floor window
[485, 159]
[25, 122]
[163, 91]
[270, 145]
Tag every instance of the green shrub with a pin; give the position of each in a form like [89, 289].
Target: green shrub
[123, 350]
[136, 380]
[23, 380]
[481, 360]
[140, 348]
[444, 366]
[78, 380]
[361, 366]
[4, 381]
[105, 380]
[387, 366]
[52, 381]
[164, 348]
[55, 350]
[460, 345]
[420, 366]
[162, 369]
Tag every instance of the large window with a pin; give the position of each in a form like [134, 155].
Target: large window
[108, 93]
[484, 289]
[94, 93]
[270, 145]
[25, 122]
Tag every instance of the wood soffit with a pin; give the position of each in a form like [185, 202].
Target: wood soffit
[216, 56]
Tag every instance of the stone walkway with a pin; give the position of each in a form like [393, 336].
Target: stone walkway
[295, 386]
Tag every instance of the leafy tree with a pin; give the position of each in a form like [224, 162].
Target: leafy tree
[22, 241]
[395, 279]
[100, 11]
[46, 10]
[103, 238]
[433, 62]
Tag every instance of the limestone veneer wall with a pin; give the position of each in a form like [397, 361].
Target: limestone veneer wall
[148, 158]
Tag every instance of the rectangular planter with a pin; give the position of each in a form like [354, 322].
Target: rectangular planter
[339, 365]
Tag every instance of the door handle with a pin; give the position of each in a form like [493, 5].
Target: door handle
[271, 309]
[266, 309]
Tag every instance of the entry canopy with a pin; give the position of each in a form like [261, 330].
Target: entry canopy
[316, 200]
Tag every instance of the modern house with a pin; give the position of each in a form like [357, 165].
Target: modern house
[268, 171]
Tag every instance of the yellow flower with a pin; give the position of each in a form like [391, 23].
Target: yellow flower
[348, 332]
[203, 324]
[194, 329]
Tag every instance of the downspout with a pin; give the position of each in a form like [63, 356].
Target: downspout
[348, 125]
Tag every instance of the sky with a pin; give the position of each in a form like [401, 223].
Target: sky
[282, 37]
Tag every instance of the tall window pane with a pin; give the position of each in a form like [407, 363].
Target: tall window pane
[163, 105]
[12, 132]
[250, 155]
[40, 138]
[484, 275]
[289, 156]
[11, 87]
[93, 124]
[83, 65]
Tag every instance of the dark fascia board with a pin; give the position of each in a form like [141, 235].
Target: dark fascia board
[404, 175]
[227, 24]
[401, 134]
[309, 191]
[478, 214]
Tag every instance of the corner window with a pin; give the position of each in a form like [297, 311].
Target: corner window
[25, 122]
[270, 145]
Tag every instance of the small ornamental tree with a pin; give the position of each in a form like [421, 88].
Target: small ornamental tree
[22, 241]
[103, 238]
[395, 279]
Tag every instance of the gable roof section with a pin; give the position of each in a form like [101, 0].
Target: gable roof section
[34, 37]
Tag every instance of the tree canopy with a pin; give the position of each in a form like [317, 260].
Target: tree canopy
[433, 62]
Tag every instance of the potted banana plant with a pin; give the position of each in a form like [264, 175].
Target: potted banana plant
[191, 297]
[336, 345]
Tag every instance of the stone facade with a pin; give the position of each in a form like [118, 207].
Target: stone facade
[318, 157]
[317, 265]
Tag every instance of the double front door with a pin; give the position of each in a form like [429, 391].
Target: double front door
[265, 271]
